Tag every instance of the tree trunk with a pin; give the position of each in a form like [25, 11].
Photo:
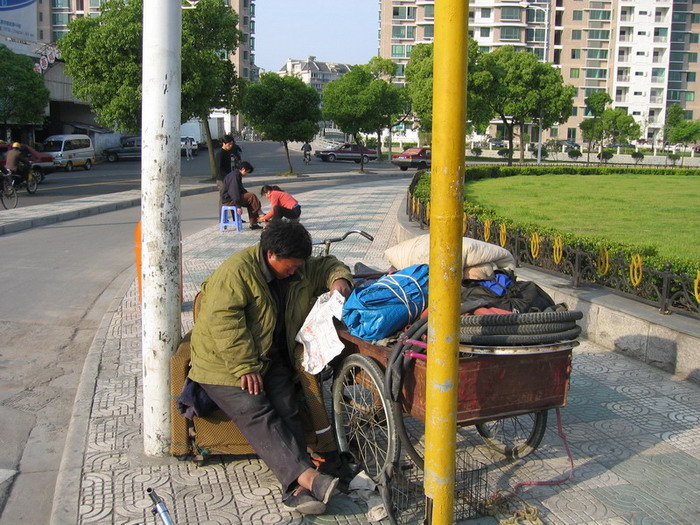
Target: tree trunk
[522, 145]
[213, 168]
[362, 157]
[379, 145]
[286, 150]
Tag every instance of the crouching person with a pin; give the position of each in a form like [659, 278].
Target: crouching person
[252, 307]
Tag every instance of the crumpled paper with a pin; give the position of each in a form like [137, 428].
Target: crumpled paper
[318, 334]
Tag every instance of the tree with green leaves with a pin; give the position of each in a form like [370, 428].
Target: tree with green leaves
[686, 132]
[104, 56]
[591, 131]
[419, 84]
[23, 95]
[518, 88]
[282, 108]
[618, 126]
[675, 115]
[359, 102]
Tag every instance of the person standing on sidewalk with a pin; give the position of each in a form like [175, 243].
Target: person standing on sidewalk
[252, 307]
[233, 193]
[225, 157]
[188, 148]
[282, 204]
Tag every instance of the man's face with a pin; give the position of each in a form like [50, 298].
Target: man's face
[243, 171]
[227, 145]
[283, 267]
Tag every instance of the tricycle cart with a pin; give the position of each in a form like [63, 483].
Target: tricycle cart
[505, 391]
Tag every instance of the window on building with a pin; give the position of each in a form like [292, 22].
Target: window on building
[597, 54]
[251, 42]
[696, 20]
[674, 76]
[485, 32]
[429, 11]
[641, 53]
[404, 13]
[245, 20]
[694, 38]
[400, 70]
[535, 35]
[691, 76]
[575, 34]
[429, 31]
[658, 73]
[574, 72]
[245, 54]
[575, 53]
[95, 4]
[60, 4]
[574, 111]
[679, 16]
[599, 14]
[571, 134]
[678, 37]
[398, 51]
[690, 96]
[535, 15]
[58, 35]
[510, 33]
[60, 19]
[599, 34]
[692, 57]
[554, 132]
[688, 115]
[510, 13]
[577, 15]
[660, 34]
[485, 12]
[596, 73]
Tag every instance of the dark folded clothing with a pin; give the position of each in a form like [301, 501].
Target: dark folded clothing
[194, 401]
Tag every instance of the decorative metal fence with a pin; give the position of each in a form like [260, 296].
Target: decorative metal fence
[665, 289]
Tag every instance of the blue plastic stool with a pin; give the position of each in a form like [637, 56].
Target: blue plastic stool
[224, 221]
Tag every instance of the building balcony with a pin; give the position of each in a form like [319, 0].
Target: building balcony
[620, 98]
[623, 78]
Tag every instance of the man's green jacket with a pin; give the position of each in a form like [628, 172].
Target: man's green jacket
[236, 319]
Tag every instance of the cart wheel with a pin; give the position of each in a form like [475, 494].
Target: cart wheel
[365, 423]
[515, 437]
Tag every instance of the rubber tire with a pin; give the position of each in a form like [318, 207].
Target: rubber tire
[69, 166]
[422, 166]
[39, 175]
[9, 198]
[112, 157]
[367, 431]
[503, 436]
[331, 158]
[88, 165]
[365, 159]
[529, 318]
[510, 340]
[32, 186]
[403, 168]
[519, 329]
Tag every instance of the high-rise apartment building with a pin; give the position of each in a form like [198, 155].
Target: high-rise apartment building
[643, 53]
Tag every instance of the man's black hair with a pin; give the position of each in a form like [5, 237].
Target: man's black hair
[226, 139]
[286, 239]
[245, 165]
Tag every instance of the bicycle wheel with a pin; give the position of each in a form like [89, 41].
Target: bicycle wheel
[364, 422]
[8, 196]
[514, 437]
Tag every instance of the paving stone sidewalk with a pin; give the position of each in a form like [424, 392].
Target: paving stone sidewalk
[634, 431]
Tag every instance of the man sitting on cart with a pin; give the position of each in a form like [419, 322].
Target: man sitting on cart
[252, 307]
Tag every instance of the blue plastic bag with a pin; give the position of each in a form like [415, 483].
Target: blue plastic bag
[386, 306]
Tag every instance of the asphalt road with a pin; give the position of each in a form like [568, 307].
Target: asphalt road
[56, 283]
[107, 177]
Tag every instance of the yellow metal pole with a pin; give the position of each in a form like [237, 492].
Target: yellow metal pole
[449, 118]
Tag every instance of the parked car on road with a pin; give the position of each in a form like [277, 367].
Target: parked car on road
[130, 149]
[412, 158]
[70, 151]
[195, 146]
[495, 143]
[347, 152]
[42, 162]
[568, 144]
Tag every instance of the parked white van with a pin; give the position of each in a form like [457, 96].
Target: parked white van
[70, 151]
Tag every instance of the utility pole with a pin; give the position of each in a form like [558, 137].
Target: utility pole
[449, 123]
[160, 214]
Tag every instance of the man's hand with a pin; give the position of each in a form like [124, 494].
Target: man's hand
[253, 383]
[341, 286]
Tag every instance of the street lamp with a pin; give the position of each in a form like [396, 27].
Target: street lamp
[545, 57]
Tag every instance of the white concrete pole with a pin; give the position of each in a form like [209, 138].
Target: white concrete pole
[160, 215]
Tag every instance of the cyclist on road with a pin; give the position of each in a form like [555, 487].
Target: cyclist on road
[16, 162]
[306, 148]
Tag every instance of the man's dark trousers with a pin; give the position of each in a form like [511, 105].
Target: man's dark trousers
[269, 421]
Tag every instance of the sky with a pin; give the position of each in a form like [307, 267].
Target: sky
[331, 30]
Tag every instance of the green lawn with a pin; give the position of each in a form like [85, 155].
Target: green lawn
[659, 211]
